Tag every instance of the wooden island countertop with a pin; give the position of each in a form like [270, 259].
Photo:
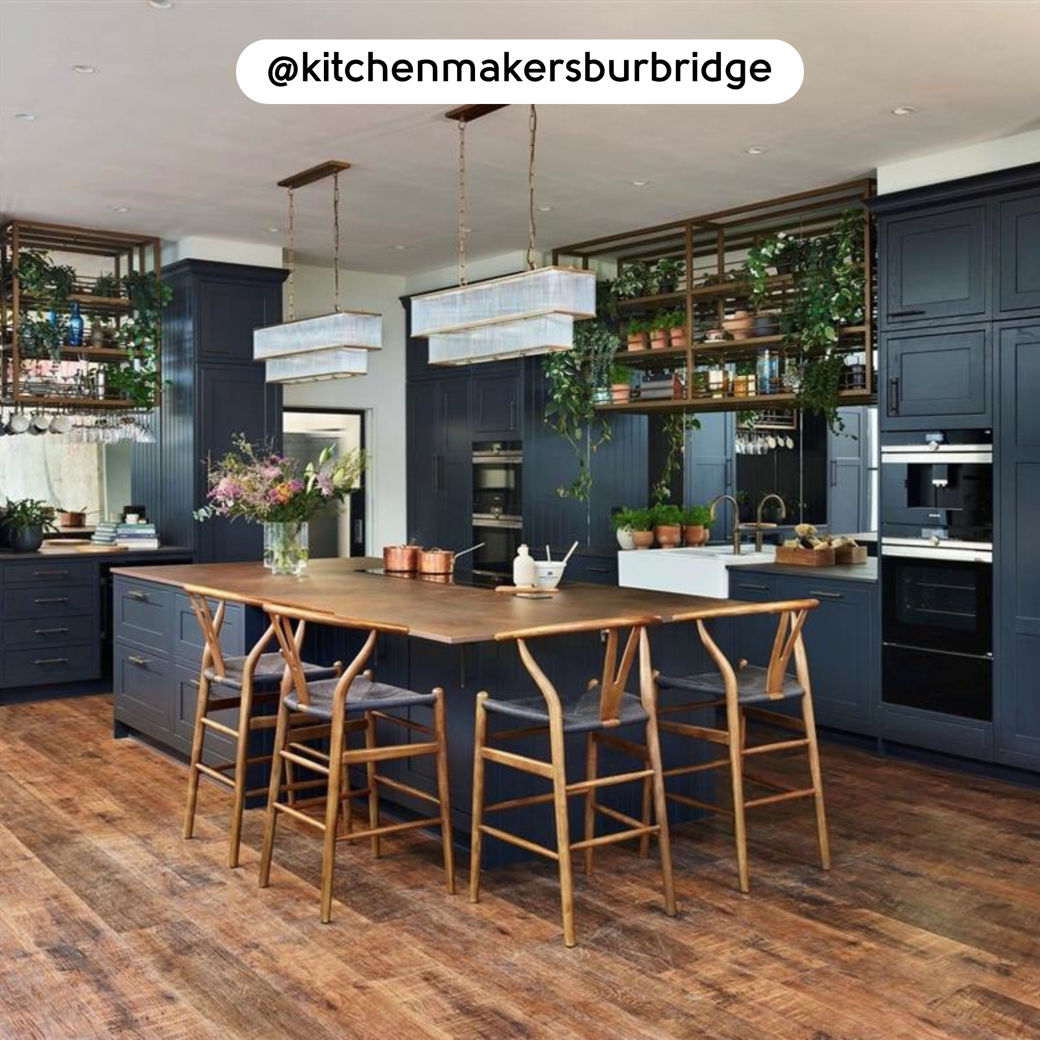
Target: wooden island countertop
[451, 614]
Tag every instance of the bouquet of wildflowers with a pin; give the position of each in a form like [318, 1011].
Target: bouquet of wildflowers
[264, 487]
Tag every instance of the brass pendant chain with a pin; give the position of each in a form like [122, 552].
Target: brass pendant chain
[335, 238]
[532, 133]
[463, 230]
[292, 256]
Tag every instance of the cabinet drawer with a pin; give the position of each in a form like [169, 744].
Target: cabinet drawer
[49, 601]
[597, 570]
[142, 684]
[47, 666]
[753, 586]
[47, 632]
[143, 613]
[187, 636]
[219, 747]
[50, 572]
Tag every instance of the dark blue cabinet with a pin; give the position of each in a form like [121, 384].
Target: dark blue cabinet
[710, 466]
[496, 406]
[1017, 549]
[934, 267]
[940, 378]
[848, 473]
[1018, 254]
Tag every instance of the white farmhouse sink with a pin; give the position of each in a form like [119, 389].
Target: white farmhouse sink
[689, 572]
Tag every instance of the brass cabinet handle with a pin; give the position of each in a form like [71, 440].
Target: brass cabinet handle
[755, 588]
[49, 631]
[141, 662]
[51, 660]
[135, 594]
[827, 595]
[51, 599]
[50, 574]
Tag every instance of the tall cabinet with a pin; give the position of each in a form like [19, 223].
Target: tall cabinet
[214, 391]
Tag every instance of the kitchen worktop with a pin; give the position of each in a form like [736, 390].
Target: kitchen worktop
[441, 613]
[839, 572]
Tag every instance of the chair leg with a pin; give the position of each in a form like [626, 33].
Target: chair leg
[808, 716]
[653, 747]
[734, 734]
[370, 770]
[591, 764]
[290, 779]
[646, 815]
[328, 855]
[476, 840]
[444, 789]
[281, 735]
[197, 737]
[563, 837]
[241, 755]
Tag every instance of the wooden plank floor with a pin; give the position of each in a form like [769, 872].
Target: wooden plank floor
[112, 926]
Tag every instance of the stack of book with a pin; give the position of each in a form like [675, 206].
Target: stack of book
[136, 536]
[105, 533]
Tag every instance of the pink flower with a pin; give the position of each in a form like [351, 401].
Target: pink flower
[325, 485]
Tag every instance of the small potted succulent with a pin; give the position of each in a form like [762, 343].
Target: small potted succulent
[24, 522]
[667, 521]
[638, 331]
[696, 525]
[620, 384]
[659, 328]
[641, 524]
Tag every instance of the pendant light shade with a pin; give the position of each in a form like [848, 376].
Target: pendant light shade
[332, 345]
[539, 293]
[511, 339]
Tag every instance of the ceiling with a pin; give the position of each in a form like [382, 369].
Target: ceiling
[162, 128]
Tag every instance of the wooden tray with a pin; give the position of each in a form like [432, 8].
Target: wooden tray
[798, 557]
[92, 547]
[850, 554]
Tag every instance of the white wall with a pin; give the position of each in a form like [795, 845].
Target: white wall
[1001, 154]
[381, 393]
[476, 270]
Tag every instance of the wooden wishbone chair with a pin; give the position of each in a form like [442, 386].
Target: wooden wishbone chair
[600, 710]
[745, 692]
[332, 701]
[243, 683]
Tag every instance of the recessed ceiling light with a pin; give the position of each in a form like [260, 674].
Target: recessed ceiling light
[545, 209]
[903, 110]
[754, 150]
[25, 117]
[274, 230]
[639, 184]
[119, 209]
[161, 5]
[85, 70]
[399, 248]
[466, 228]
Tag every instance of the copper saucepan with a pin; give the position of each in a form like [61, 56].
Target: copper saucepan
[441, 561]
[402, 559]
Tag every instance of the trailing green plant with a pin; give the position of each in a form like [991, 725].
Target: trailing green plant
[696, 516]
[24, 514]
[42, 336]
[632, 520]
[141, 337]
[674, 430]
[664, 514]
[820, 386]
[634, 279]
[49, 284]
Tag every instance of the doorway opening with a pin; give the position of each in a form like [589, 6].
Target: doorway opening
[305, 432]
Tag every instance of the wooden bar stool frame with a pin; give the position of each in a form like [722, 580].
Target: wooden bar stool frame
[787, 644]
[613, 681]
[340, 758]
[246, 699]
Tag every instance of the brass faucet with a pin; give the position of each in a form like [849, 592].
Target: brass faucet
[758, 518]
[736, 519]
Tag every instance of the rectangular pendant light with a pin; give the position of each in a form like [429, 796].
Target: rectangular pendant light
[542, 292]
[354, 329]
[509, 339]
[312, 365]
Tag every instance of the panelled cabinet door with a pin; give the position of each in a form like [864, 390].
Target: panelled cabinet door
[496, 407]
[935, 267]
[936, 377]
[848, 460]
[1017, 550]
[1018, 254]
[711, 467]
[229, 310]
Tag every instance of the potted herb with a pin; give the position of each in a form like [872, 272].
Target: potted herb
[638, 334]
[24, 522]
[676, 325]
[696, 524]
[632, 281]
[641, 524]
[624, 522]
[620, 384]
[659, 328]
[667, 520]
[666, 274]
[743, 506]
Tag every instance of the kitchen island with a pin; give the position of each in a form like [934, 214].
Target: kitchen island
[450, 644]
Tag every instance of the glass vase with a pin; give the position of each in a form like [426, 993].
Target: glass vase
[285, 548]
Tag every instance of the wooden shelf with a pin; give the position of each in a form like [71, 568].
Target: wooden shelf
[82, 404]
[110, 306]
[650, 302]
[660, 356]
[732, 346]
[728, 404]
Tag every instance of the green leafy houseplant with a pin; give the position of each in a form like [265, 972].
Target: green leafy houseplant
[696, 516]
[141, 337]
[665, 515]
[23, 523]
[631, 520]
[665, 275]
[106, 286]
[634, 279]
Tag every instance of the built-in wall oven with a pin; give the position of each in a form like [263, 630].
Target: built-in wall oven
[497, 504]
[937, 573]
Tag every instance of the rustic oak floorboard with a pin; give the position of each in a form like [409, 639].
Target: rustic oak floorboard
[928, 927]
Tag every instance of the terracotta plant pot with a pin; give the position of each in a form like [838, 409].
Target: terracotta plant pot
[72, 519]
[677, 336]
[658, 339]
[637, 341]
[668, 535]
[620, 393]
[740, 325]
[643, 539]
[695, 534]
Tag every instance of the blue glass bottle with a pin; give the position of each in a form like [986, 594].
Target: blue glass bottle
[75, 327]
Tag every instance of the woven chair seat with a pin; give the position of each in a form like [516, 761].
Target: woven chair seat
[364, 695]
[268, 672]
[751, 685]
[582, 716]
